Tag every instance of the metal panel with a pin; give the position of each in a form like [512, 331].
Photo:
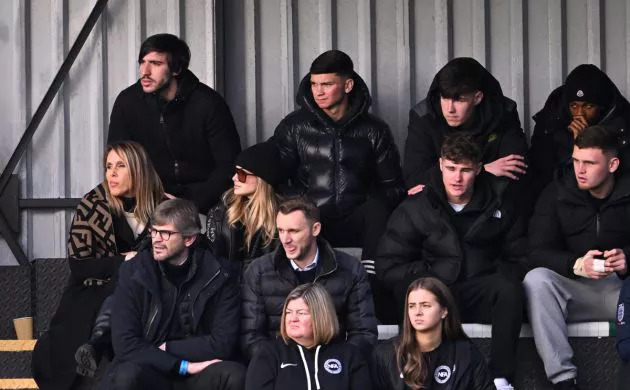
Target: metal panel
[256, 52]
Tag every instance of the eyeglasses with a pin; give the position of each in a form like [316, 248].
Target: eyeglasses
[241, 174]
[164, 234]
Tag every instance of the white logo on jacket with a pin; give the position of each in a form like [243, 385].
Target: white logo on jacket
[333, 366]
[442, 374]
[283, 365]
[620, 314]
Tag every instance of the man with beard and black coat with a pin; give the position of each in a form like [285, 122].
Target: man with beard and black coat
[305, 258]
[464, 96]
[462, 229]
[185, 126]
[176, 311]
[343, 158]
[588, 97]
[579, 237]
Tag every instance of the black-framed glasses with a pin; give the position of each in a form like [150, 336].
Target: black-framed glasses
[241, 174]
[164, 234]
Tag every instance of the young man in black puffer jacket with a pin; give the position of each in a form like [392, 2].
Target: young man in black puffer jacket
[464, 231]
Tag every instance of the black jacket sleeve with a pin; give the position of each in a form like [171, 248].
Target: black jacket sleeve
[262, 370]
[359, 371]
[388, 169]
[547, 246]
[118, 130]
[362, 328]
[515, 248]
[399, 257]
[220, 324]
[481, 377]
[382, 364]
[421, 154]
[127, 327]
[254, 325]
[225, 145]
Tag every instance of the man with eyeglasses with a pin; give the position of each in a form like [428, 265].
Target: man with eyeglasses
[176, 311]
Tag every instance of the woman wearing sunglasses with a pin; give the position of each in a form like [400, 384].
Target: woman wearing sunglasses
[242, 226]
[307, 355]
[432, 351]
[107, 228]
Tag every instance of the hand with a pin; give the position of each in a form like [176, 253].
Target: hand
[577, 125]
[616, 259]
[507, 166]
[197, 367]
[163, 346]
[589, 257]
[170, 196]
[415, 190]
[129, 255]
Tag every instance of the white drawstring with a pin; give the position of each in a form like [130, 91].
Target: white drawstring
[317, 366]
[308, 374]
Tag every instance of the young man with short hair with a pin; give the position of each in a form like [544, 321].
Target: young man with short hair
[462, 230]
[305, 257]
[579, 236]
[176, 311]
[464, 97]
[185, 126]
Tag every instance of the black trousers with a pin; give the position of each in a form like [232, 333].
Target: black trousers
[498, 300]
[219, 376]
[363, 228]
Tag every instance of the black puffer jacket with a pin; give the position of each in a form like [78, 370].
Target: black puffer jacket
[552, 142]
[566, 225]
[290, 366]
[209, 312]
[191, 140]
[229, 242]
[339, 164]
[457, 365]
[498, 129]
[422, 240]
[269, 279]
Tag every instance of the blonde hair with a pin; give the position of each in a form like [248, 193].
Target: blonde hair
[323, 315]
[256, 213]
[145, 182]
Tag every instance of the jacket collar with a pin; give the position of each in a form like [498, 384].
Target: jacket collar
[487, 192]
[569, 191]
[327, 260]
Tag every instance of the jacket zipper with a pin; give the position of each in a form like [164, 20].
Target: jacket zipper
[170, 150]
[152, 318]
[597, 223]
[192, 303]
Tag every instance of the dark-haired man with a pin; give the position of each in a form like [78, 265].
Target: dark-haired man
[304, 257]
[176, 311]
[461, 230]
[343, 158]
[579, 236]
[185, 126]
[464, 96]
[588, 97]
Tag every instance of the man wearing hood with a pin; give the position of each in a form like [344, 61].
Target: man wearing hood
[461, 230]
[341, 156]
[185, 126]
[588, 97]
[464, 96]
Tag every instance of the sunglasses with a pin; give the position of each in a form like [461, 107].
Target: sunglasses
[241, 174]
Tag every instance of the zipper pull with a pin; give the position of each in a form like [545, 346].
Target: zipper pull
[161, 119]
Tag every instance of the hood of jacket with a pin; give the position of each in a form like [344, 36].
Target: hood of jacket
[359, 101]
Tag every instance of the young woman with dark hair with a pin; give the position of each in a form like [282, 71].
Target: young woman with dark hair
[432, 351]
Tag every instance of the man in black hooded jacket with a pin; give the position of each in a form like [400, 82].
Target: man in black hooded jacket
[464, 96]
[588, 97]
[343, 158]
[185, 126]
[462, 229]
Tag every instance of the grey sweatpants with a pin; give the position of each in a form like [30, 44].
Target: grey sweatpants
[553, 301]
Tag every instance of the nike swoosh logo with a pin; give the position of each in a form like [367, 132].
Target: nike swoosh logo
[283, 365]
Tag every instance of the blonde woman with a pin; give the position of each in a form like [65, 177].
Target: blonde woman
[243, 226]
[305, 357]
[108, 226]
[432, 352]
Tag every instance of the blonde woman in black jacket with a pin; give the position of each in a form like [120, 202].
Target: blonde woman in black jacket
[433, 352]
[305, 358]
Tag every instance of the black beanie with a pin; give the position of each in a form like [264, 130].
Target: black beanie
[263, 160]
[589, 84]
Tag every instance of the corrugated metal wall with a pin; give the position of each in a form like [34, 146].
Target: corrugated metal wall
[256, 57]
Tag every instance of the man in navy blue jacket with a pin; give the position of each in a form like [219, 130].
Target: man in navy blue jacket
[176, 311]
